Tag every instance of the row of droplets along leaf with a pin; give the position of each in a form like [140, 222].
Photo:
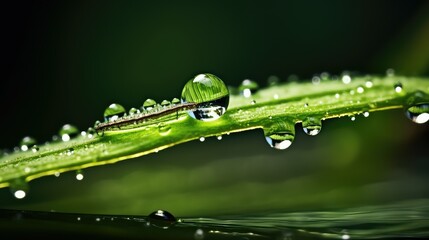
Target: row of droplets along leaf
[211, 97]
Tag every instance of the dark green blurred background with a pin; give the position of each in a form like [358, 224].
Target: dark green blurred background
[64, 62]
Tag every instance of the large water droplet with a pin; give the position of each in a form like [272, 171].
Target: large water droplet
[280, 135]
[418, 113]
[113, 112]
[165, 103]
[161, 219]
[248, 87]
[211, 95]
[149, 104]
[312, 126]
[68, 132]
[26, 143]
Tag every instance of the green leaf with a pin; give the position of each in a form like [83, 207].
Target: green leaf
[275, 109]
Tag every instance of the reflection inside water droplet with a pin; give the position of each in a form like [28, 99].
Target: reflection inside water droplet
[248, 87]
[68, 132]
[280, 135]
[418, 113]
[27, 143]
[211, 95]
[312, 126]
[113, 112]
[398, 87]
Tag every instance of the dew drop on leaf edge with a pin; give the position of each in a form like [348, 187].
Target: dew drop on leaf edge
[211, 95]
[27, 143]
[312, 126]
[161, 219]
[68, 132]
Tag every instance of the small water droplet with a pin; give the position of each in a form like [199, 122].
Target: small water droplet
[27, 143]
[113, 112]
[352, 118]
[133, 111]
[398, 87]
[165, 103]
[199, 234]
[312, 126]
[202, 139]
[253, 102]
[57, 174]
[69, 151]
[366, 114]
[27, 170]
[346, 78]
[175, 101]
[219, 137]
[360, 89]
[368, 84]
[78, 218]
[161, 219]
[97, 219]
[163, 128]
[337, 95]
[248, 87]
[68, 132]
[418, 113]
[280, 135]
[306, 105]
[390, 72]
[211, 95]
[79, 175]
[273, 80]
[315, 80]
[91, 132]
[324, 76]
[276, 96]
[34, 148]
[19, 188]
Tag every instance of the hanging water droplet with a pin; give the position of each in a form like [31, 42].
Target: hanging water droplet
[248, 87]
[79, 175]
[211, 95]
[163, 128]
[280, 135]
[175, 101]
[366, 114]
[398, 87]
[199, 234]
[57, 174]
[312, 126]
[113, 112]
[219, 137]
[352, 118]
[202, 139]
[165, 103]
[418, 113]
[26, 143]
[19, 188]
[68, 132]
[161, 219]
[390, 72]
[133, 111]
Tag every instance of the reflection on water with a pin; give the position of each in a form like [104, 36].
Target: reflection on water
[408, 219]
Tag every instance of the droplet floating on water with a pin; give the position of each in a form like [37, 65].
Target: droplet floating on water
[248, 87]
[26, 143]
[149, 104]
[211, 95]
[113, 112]
[418, 113]
[312, 126]
[280, 134]
[68, 132]
[161, 219]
